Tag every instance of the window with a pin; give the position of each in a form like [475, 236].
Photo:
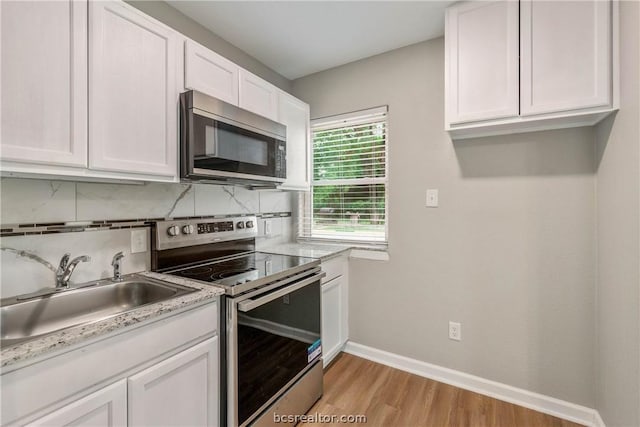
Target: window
[348, 198]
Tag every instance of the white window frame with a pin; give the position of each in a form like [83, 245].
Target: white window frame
[305, 207]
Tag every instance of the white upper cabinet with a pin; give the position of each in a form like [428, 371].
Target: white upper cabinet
[210, 73]
[44, 82]
[133, 86]
[93, 94]
[294, 114]
[565, 48]
[258, 96]
[482, 61]
[567, 65]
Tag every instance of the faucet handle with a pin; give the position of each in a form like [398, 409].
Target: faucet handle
[64, 261]
[64, 274]
[117, 274]
[116, 258]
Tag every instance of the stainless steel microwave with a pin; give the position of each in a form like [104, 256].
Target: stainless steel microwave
[220, 142]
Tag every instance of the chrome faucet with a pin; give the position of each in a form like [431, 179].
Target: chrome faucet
[66, 267]
[117, 266]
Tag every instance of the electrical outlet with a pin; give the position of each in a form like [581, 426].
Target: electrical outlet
[285, 299]
[138, 241]
[455, 331]
[267, 227]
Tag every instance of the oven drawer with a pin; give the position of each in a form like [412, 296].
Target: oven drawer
[334, 267]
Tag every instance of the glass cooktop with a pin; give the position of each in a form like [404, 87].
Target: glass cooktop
[241, 269]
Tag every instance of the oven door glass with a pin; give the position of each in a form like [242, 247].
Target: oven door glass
[221, 146]
[276, 341]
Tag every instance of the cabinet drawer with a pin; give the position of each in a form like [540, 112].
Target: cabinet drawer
[334, 267]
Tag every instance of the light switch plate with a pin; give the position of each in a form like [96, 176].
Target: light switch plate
[432, 198]
[138, 241]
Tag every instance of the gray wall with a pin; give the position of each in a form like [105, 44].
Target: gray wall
[190, 28]
[618, 190]
[510, 252]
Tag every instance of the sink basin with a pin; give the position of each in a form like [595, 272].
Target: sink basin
[24, 318]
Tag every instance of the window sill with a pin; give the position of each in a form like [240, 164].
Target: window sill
[357, 250]
[370, 254]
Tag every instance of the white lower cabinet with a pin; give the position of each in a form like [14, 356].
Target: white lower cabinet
[335, 305]
[106, 407]
[164, 373]
[179, 391]
[332, 307]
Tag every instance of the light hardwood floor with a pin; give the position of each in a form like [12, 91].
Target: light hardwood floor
[391, 397]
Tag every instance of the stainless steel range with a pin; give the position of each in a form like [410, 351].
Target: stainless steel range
[269, 315]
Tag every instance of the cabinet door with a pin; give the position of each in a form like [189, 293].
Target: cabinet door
[44, 82]
[332, 319]
[481, 61]
[133, 106]
[104, 408]
[566, 55]
[179, 391]
[258, 96]
[210, 73]
[294, 114]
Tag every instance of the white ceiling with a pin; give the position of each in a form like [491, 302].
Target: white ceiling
[297, 38]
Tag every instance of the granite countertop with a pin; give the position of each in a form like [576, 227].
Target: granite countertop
[319, 251]
[73, 336]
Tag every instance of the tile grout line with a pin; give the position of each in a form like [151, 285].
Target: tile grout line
[8, 230]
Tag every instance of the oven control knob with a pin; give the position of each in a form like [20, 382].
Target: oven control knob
[174, 230]
[188, 229]
[249, 224]
[240, 225]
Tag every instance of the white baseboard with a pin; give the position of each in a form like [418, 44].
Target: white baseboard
[598, 421]
[538, 402]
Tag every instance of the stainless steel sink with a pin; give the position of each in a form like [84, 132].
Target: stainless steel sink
[24, 318]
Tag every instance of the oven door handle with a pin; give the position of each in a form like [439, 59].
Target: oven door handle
[250, 304]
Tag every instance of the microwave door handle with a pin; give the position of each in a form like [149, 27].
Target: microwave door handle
[210, 141]
[250, 304]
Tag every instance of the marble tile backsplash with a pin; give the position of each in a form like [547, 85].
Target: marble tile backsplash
[42, 201]
[28, 262]
[281, 232]
[150, 200]
[31, 200]
[218, 199]
[276, 201]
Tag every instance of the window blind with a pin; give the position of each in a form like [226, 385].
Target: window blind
[348, 198]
